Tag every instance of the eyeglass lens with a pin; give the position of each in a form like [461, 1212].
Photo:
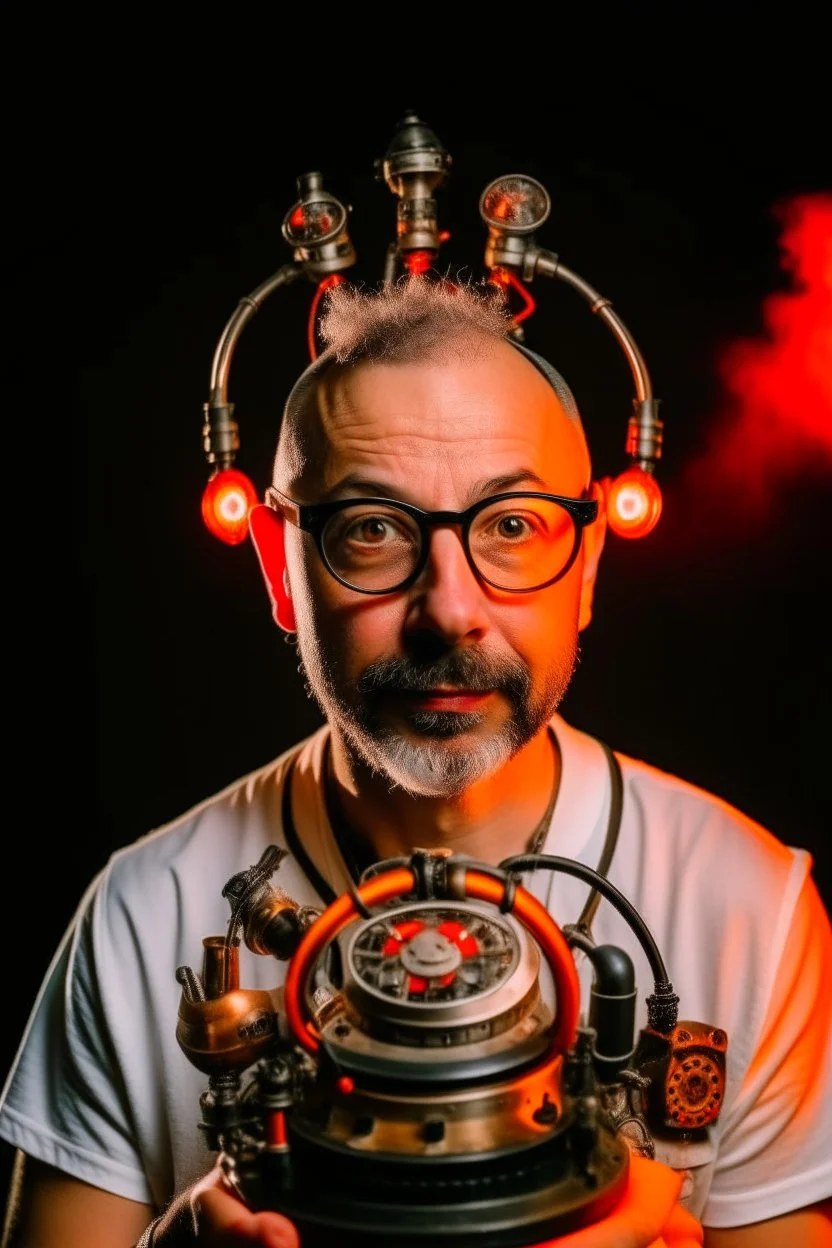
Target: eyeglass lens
[517, 543]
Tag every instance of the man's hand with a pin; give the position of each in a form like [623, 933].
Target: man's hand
[210, 1214]
[647, 1216]
[55, 1210]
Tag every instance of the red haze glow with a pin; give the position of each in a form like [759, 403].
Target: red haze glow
[776, 422]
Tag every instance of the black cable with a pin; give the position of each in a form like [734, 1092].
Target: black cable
[610, 841]
[531, 862]
[662, 1006]
[359, 902]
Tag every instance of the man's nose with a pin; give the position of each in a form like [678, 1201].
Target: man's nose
[447, 600]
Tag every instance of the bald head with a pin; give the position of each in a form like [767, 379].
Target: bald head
[416, 324]
[399, 422]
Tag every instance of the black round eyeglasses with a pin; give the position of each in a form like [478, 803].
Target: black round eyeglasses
[515, 542]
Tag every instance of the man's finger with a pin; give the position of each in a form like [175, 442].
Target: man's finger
[221, 1218]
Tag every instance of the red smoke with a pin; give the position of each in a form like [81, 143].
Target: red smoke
[776, 425]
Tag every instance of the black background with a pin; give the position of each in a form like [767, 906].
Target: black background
[147, 187]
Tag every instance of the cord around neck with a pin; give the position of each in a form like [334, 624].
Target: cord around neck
[356, 852]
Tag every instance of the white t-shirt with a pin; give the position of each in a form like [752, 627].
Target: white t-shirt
[101, 1089]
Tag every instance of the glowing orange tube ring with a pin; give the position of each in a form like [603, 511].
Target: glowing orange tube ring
[398, 882]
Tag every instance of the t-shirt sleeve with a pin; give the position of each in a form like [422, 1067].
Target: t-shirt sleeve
[65, 1101]
[776, 1153]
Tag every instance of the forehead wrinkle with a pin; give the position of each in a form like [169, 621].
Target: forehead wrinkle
[331, 427]
[356, 427]
[406, 458]
[361, 449]
[444, 477]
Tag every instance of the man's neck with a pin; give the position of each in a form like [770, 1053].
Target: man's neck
[493, 818]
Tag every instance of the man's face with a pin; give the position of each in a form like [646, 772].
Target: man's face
[438, 684]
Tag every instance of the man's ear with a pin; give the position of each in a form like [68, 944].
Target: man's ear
[593, 544]
[266, 527]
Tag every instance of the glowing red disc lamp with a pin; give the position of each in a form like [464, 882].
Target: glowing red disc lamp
[634, 503]
[228, 498]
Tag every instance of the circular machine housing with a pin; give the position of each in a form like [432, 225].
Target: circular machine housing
[438, 992]
[439, 1114]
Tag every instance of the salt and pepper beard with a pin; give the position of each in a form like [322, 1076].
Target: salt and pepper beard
[430, 767]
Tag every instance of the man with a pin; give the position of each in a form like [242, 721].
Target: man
[438, 647]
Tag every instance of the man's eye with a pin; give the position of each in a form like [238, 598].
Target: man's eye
[372, 530]
[513, 527]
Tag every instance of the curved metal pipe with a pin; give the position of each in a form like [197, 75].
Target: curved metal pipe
[547, 263]
[240, 317]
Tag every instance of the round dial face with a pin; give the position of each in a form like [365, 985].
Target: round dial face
[429, 954]
[308, 224]
[516, 204]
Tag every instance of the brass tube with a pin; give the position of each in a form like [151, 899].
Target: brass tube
[220, 967]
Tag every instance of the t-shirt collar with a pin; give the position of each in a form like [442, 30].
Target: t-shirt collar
[578, 823]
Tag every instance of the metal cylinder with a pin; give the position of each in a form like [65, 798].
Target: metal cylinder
[220, 967]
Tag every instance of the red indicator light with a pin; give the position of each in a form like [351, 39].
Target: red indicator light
[228, 498]
[418, 262]
[634, 503]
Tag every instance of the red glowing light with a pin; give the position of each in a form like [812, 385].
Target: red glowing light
[228, 498]
[634, 503]
[276, 1129]
[417, 262]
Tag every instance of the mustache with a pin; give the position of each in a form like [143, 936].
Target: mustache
[471, 670]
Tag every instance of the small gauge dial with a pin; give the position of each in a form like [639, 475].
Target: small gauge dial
[515, 204]
[310, 223]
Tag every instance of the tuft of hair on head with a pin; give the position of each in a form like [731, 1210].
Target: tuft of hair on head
[411, 319]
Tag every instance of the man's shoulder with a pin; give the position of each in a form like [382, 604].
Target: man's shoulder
[246, 812]
[698, 814]
[710, 851]
[689, 828]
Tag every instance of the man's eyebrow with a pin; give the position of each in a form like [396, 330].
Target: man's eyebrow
[497, 485]
[368, 488]
[364, 485]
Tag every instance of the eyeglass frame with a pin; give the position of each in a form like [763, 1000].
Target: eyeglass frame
[312, 518]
